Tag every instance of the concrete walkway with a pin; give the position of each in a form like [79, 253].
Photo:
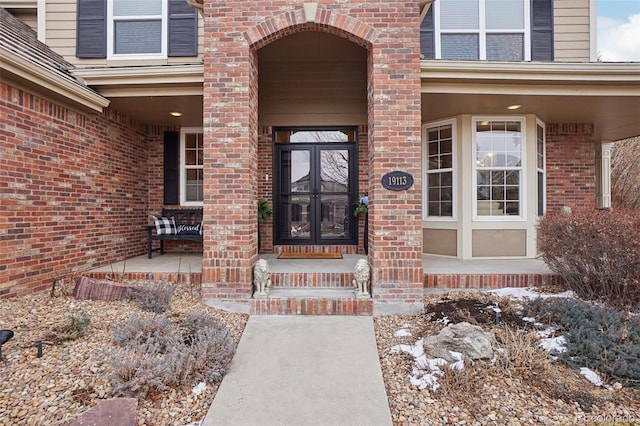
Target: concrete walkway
[303, 370]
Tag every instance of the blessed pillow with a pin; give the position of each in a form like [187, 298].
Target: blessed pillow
[165, 225]
[189, 229]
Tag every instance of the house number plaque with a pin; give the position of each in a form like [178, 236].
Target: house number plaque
[397, 180]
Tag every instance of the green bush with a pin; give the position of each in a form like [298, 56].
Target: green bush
[598, 337]
[74, 328]
[597, 252]
[154, 353]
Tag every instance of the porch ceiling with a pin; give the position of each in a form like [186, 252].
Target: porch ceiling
[155, 110]
[607, 95]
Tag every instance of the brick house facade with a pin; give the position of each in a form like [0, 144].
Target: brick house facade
[80, 179]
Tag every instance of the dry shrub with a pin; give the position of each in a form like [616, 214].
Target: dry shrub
[597, 252]
[520, 352]
[153, 297]
[460, 384]
[154, 353]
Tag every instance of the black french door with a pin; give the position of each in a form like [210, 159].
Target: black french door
[314, 193]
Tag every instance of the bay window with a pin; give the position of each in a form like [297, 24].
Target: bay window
[439, 170]
[499, 152]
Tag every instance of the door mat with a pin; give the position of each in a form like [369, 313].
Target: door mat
[310, 256]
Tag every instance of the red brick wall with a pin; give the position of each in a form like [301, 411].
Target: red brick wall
[571, 166]
[234, 33]
[73, 190]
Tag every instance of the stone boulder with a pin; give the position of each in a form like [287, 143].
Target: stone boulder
[111, 412]
[92, 289]
[469, 340]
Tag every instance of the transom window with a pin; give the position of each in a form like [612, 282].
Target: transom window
[137, 28]
[192, 166]
[439, 149]
[499, 164]
[494, 30]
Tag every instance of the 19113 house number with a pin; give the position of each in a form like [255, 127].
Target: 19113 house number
[397, 181]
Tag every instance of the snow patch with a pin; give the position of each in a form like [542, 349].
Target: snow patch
[554, 344]
[199, 388]
[425, 371]
[529, 293]
[591, 376]
[403, 332]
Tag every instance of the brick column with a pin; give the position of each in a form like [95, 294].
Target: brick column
[230, 156]
[395, 227]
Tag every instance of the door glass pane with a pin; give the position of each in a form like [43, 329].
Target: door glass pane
[295, 217]
[334, 170]
[295, 171]
[335, 216]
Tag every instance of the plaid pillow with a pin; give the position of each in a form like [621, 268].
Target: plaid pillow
[165, 225]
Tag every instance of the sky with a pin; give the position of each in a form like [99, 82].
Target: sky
[619, 30]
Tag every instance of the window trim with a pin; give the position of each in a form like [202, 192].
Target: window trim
[164, 18]
[522, 217]
[183, 167]
[544, 167]
[454, 174]
[482, 31]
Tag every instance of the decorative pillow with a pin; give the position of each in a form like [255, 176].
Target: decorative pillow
[165, 225]
[189, 229]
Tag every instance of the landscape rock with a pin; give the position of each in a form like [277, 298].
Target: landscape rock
[470, 340]
[93, 289]
[112, 412]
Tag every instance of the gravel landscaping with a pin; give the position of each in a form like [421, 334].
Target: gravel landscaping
[74, 375]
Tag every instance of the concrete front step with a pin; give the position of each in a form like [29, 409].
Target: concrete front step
[312, 301]
[311, 279]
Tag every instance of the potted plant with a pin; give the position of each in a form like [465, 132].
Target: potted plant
[264, 213]
[363, 207]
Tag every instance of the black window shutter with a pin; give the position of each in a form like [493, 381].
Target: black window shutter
[542, 30]
[427, 45]
[91, 33]
[183, 29]
[171, 167]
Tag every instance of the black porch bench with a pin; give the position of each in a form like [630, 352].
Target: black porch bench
[188, 227]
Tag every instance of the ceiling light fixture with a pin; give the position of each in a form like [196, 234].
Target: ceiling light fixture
[514, 107]
[176, 113]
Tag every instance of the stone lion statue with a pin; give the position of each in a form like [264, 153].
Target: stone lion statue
[361, 275]
[261, 279]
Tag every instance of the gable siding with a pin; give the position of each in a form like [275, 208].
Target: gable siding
[572, 30]
[61, 37]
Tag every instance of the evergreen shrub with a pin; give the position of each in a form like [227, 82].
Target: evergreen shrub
[597, 252]
[598, 337]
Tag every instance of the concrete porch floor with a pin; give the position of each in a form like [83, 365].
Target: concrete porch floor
[192, 263]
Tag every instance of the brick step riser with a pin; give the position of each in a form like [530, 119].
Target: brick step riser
[311, 306]
[172, 277]
[312, 280]
[490, 281]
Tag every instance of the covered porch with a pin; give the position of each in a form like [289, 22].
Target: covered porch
[439, 272]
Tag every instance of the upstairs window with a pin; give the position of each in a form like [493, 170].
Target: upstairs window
[492, 30]
[136, 29]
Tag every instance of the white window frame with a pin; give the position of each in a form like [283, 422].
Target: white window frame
[523, 170]
[164, 17]
[544, 166]
[183, 166]
[425, 171]
[482, 31]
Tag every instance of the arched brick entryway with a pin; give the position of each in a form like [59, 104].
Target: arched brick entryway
[233, 36]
